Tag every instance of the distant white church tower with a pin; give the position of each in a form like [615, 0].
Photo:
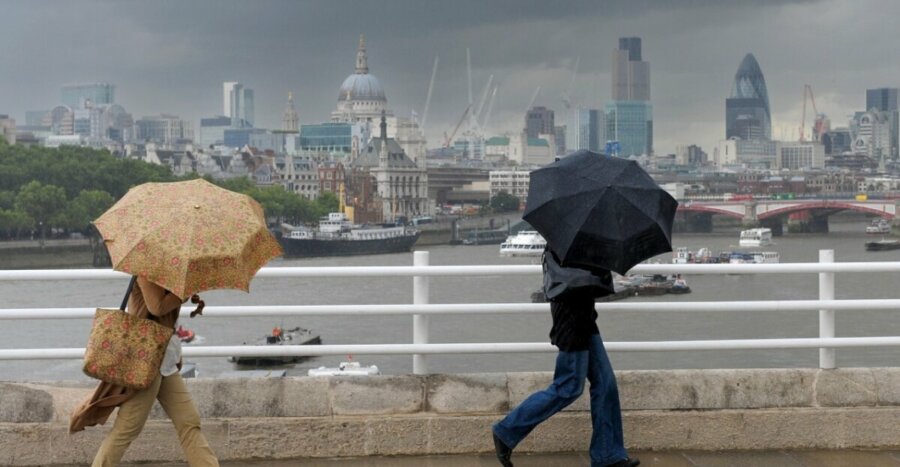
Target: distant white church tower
[289, 120]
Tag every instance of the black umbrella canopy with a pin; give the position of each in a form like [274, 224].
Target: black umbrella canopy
[600, 211]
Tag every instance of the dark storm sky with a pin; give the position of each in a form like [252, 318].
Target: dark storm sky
[172, 56]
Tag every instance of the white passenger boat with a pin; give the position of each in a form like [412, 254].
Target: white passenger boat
[879, 227]
[754, 257]
[756, 237]
[684, 256]
[524, 243]
[348, 368]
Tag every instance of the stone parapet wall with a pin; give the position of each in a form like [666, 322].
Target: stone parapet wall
[283, 418]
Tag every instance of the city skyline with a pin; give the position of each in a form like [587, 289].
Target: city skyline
[308, 49]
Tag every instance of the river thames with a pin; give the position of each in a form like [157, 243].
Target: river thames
[846, 238]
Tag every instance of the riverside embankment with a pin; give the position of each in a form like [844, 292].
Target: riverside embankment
[30, 254]
[302, 417]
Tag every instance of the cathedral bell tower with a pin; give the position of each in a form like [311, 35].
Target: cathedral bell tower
[383, 153]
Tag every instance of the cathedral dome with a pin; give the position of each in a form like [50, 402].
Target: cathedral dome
[361, 87]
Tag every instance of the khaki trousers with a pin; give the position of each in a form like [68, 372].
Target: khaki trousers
[174, 398]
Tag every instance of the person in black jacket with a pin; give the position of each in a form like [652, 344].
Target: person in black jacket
[581, 356]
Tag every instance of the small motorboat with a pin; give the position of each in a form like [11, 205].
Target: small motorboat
[184, 334]
[279, 336]
[679, 285]
[348, 368]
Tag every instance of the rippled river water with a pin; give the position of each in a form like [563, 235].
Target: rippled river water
[846, 238]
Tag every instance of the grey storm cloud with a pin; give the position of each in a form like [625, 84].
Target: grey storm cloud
[172, 56]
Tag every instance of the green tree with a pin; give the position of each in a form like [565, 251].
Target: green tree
[87, 206]
[7, 200]
[13, 223]
[326, 202]
[239, 184]
[504, 202]
[273, 199]
[43, 203]
[298, 210]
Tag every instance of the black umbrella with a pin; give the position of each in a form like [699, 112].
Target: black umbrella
[600, 211]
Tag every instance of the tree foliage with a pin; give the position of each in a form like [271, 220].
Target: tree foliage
[40, 202]
[504, 202]
[68, 187]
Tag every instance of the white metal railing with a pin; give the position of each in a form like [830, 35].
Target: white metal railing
[421, 309]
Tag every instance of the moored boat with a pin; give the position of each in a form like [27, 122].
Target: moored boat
[702, 256]
[485, 237]
[883, 245]
[336, 236]
[879, 227]
[279, 336]
[348, 368]
[524, 243]
[184, 334]
[754, 257]
[756, 237]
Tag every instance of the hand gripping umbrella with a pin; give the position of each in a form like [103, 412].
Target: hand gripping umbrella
[600, 211]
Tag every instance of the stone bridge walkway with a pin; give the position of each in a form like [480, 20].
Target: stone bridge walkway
[659, 459]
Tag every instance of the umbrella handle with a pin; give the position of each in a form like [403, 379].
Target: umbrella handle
[128, 293]
[200, 305]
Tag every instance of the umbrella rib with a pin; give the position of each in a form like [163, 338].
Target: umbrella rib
[628, 199]
[553, 200]
[583, 174]
[144, 235]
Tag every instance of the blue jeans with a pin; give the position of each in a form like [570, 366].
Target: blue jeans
[607, 445]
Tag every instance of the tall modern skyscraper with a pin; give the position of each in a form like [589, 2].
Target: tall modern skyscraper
[631, 75]
[539, 121]
[747, 114]
[238, 103]
[77, 95]
[631, 124]
[629, 115]
[883, 99]
[586, 130]
[227, 89]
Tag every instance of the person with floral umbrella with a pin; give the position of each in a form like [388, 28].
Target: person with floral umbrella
[176, 240]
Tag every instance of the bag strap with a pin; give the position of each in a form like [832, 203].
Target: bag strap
[128, 293]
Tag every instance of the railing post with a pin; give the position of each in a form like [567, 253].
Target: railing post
[420, 322]
[826, 317]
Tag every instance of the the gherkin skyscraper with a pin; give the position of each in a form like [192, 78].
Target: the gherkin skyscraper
[747, 114]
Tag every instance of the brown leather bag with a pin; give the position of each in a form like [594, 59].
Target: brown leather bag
[125, 350]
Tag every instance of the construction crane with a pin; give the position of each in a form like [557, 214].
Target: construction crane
[567, 93]
[487, 115]
[484, 96]
[448, 139]
[428, 98]
[533, 98]
[807, 90]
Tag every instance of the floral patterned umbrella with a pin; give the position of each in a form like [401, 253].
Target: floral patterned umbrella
[188, 236]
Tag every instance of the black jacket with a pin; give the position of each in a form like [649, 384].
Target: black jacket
[574, 322]
[574, 317]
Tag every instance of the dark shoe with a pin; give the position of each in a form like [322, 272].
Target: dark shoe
[504, 452]
[627, 462]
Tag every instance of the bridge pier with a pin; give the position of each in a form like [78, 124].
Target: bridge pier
[750, 221]
[895, 222]
[699, 223]
[775, 225]
[693, 223]
[807, 222]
